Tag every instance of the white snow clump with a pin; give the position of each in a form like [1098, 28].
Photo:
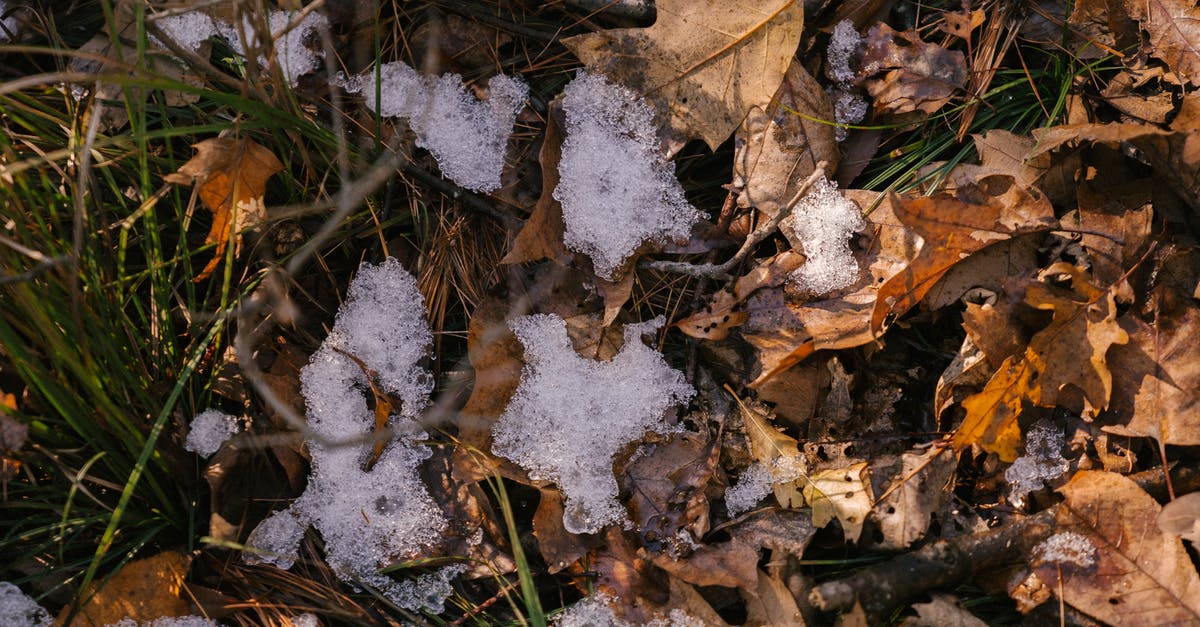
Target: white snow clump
[1067, 547]
[596, 610]
[848, 106]
[208, 432]
[367, 517]
[1041, 462]
[757, 481]
[16, 608]
[168, 621]
[289, 39]
[823, 223]
[190, 30]
[616, 187]
[466, 136]
[10, 26]
[570, 415]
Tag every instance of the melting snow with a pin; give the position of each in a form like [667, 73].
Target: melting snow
[570, 415]
[596, 610]
[616, 187]
[290, 41]
[368, 518]
[823, 223]
[756, 483]
[1041, 462]
[16, 608]
[466, 136]
[209, 430]
[1067, 547]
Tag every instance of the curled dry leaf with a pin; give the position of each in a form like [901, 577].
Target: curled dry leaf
[703, 64]
[918, 75]
[917, 491]
[769, 602]
[231, 177]
[1071, 351]
[1174, 28]
[542, 235]
[779, 145]
[954, 227]
[1110, 560]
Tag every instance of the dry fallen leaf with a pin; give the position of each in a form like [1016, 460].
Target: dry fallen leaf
[954, 227]
[1110, 560]
[771, 603]
[1174, 28]
[231, 177]
[920, 76]
[918, 490]
[1181, 517]
[542, 235]
[777, 451]
[703, 64]
[779, 145]
[144, 590]
[718, 318]
[942, 610]
[1070, 351]
[666, 484]
[842, 493]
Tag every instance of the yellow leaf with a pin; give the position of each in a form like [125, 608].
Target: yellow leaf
[775, 450]
[841, 493]
[144, 590]
[703, 64]
[231, 175]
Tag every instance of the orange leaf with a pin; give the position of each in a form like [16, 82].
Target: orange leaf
[231, 175]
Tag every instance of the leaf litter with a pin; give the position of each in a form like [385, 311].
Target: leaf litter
[1052, 283]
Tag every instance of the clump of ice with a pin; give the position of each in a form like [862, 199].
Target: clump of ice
[467, 136]
[757, 481]
[823, 223]
[209, 430]
[570, 415]
[596, 610]
[1041, 462]
[20, 609]
[305, 620]
[844, 43]
[10, 22]
[1067, 547]
[290, 38]
[168, 621]
[368, 518]
[616, 187]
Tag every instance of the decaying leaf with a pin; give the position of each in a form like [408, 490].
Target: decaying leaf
[1174, 28]
[1181, 517]
[144, 590]
[777, 451]
[715, 321]
[703, 64]
[666, 482]
[1110, 560]
[771, 603]
[231, 177]
[842, 493]
[1071, 351]
[942, 610]
[919, 489]
[954, 227]
[780, 144]
[918, 75]
[542, 235]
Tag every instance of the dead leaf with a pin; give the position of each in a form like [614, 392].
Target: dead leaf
[842, 493]
[779, 145]
[703, 64]
[1181, 517]
[560, 548]
[779, 452]
[953, 227]
[919, 76]
[942, 610]
[718, 318]
[144, 590]
[771, 603]
[1003, 152]
[732, 564]
[1070, 351]
[961, 23]
[1114, 563]
[920, 488]
[1174, 28]
[666, 482]
[542, 235]
[1159, 390]
[231, 178]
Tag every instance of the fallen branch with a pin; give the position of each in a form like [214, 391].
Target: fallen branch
[721, 271]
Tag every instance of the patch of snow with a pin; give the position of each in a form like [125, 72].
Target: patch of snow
[305, 620]
[757, 481]
[596, 610]
[467, 136]
[168, 621]
[209, 430]
[616, 187]
[1067, 547]
[570, 415]
[823, 223]
[368, 518]
[1041, 462]
[190, 29]
[843, 45]
[848, 108]
[17, 608]
[10, 22]
[289, 41]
